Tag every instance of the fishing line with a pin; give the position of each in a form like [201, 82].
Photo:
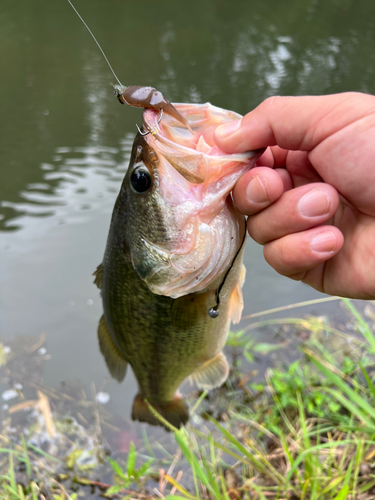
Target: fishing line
[96, 41]
[213, 312]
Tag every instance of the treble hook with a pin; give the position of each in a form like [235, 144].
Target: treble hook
[143, 134]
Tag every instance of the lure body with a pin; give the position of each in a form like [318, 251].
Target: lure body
[148, 98]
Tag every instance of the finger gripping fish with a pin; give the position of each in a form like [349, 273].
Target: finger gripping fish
[175, 240]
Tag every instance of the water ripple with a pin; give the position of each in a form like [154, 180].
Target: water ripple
[75, 183]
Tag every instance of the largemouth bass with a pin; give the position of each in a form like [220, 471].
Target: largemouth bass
[172, 271]
[174, 253]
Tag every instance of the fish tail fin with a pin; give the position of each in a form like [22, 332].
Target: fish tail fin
[175, 411]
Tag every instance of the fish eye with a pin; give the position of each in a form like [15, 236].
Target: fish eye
[141, 180]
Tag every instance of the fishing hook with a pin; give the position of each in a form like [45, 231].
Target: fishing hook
[143, 134]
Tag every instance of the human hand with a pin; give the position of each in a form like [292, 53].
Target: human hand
[314, 209]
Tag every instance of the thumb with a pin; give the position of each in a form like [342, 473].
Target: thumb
[294, 123]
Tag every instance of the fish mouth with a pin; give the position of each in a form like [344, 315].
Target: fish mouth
[191, 149]
[193, 179]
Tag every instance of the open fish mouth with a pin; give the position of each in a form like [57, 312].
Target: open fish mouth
[193, 178]
[192, 151]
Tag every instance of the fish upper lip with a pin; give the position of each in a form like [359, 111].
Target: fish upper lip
[193, 178]
[190, 160]
[150, 124]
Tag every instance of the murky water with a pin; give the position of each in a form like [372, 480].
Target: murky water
[65, 140]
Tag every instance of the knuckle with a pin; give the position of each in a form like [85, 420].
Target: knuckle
[286, 257]
[298, 276]
[271, 103]
[281, 255]
[255, 229]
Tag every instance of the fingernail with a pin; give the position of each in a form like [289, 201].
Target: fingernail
[228, 129]
[315, 203]
[324, 242]
[256, 190]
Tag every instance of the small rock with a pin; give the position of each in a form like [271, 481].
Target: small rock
[103, 398]
[9, 394]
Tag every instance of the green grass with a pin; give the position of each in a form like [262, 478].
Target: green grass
[319, 416]
[9, 488]
[304, 432]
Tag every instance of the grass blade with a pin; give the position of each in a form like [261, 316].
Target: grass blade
[265, 468]
[344, 387]
[367, 378]
[12, 478]
[193, 461]
[362, 324]
[343, 493]
[27, 461]
[132, 457]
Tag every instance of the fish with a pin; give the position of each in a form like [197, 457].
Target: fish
[172, 270]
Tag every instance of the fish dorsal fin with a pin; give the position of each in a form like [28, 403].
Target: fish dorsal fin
[115, 362]
[211, 374]
[236, 299]
[98, 276]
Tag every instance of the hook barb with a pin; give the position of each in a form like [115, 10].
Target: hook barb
[142, 133]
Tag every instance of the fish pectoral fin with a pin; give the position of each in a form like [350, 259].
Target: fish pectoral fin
[211, 374]
[236, 304]
[115, 362]
[236, 299]
[242, 275]
[98, 276]
[175, 412]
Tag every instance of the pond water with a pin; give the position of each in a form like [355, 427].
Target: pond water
[65, 140]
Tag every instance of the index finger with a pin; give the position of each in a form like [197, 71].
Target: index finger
[294, 123]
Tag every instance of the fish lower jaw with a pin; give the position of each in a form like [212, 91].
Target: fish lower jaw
[189, 285]
[203, 268]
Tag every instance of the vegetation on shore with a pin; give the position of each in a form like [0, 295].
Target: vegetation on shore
[306, 430]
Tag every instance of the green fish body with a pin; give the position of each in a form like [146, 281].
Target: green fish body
[175, 241]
